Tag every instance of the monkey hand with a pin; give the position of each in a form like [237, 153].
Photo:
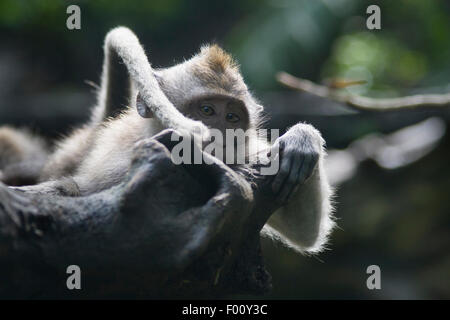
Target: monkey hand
[298, 152]
[185, 126]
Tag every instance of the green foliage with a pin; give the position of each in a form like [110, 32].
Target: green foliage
[381, 60]
[17, 14]
[313, 39]
[290, 35]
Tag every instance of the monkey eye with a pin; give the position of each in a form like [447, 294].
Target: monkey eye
[207, 109]
[232, 117]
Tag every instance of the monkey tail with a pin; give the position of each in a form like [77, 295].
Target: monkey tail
[22, 156]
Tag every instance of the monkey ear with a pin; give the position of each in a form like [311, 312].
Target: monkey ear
[143, 110]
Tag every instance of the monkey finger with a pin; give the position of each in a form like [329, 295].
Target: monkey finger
[282, 174]
[272, 156]
[292, 180]
[309, 170]
[297, 181]
[276, 158]
[304, 171]
[309, 167]
[274, 149]
[312, 165]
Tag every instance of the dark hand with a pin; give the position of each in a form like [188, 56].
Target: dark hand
[299, 151]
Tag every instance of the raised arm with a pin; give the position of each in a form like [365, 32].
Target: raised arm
[121, 43]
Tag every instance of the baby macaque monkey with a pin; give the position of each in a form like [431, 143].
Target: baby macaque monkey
[108, 159]
[206, 91]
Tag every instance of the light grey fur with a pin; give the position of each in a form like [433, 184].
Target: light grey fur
[306, 221]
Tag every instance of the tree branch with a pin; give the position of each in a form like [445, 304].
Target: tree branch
[364, 103]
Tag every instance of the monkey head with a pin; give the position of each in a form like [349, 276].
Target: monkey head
[209, 87]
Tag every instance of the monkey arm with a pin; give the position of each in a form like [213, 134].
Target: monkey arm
[304, 220]
[122, 42]
[116, 90]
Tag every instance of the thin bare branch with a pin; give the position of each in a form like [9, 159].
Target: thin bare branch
[364, 103]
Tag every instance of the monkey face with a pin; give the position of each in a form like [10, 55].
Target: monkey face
[218, 112]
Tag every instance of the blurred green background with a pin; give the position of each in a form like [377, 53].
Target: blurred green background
[397, 218]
